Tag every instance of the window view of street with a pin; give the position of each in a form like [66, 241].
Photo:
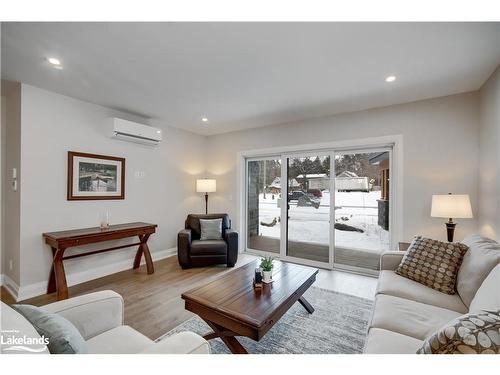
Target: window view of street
[360, 207]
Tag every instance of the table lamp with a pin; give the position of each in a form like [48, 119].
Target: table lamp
[451, 206]
[206, 186]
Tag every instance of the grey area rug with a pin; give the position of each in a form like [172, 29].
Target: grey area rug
[338, 326]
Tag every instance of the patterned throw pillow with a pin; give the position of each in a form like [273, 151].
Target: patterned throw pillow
[473, 333]
[433, 263]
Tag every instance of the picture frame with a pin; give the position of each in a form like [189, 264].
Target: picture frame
[95, 177]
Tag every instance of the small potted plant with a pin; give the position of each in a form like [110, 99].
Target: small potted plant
[266, 264]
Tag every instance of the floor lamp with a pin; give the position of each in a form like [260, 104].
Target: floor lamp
[206, 186]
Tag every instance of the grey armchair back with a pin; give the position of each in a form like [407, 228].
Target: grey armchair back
[193, 252]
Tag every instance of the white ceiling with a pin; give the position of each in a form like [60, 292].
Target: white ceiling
[243, 75]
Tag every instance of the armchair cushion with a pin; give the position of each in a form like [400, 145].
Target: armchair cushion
[119, 340]
[180, 343]
[208, 247]
[92, 313]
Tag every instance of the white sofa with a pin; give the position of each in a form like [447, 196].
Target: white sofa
[99, 318]
[407, 312]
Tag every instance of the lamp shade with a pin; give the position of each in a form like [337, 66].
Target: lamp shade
[205, 185]
[451, 206]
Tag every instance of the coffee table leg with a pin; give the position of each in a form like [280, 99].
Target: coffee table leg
[306, 305]
[226, 336]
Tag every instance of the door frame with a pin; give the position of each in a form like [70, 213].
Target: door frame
[396, 177]
[284, 211]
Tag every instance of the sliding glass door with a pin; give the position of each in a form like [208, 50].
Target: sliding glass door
[324, 208]
[362, 214]
[308, 230]
[263, 205]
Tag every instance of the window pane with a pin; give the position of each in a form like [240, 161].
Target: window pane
[308, 227]
[264, 198]
[361, 208]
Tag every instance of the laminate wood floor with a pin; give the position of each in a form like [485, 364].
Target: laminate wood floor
[153, 303]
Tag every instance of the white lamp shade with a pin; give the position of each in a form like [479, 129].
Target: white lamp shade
[451, 206]
[205, 185]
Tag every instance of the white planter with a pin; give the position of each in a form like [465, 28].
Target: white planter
[267, 277]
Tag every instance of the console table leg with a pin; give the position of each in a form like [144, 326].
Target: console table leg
[51, 287]
[138, 255]
[144, 249]
[60, 276]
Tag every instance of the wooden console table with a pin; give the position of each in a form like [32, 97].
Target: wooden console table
[60, 241]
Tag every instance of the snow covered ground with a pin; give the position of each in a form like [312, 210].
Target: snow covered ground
[308, 224]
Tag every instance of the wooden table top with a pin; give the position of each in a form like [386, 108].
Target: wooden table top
[234, 296]
[77, 233]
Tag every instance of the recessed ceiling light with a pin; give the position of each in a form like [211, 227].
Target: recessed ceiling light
[390, 79]
[204, 119]
[54, 61]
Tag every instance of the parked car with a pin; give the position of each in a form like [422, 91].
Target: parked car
[316, 192]
[295, 195]
[304, 199]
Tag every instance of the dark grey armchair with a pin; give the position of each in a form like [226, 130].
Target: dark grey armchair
[193, 252]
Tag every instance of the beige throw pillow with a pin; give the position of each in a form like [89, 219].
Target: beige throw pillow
[433, 263]
[482, 257]
[472, 333]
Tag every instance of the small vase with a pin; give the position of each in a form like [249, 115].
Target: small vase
[267, 277]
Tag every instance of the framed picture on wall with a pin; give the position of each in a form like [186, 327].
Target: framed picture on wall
[92, 177]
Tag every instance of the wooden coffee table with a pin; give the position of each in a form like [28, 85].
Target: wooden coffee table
[232, 307]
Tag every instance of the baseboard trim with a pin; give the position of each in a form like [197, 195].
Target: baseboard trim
[10, 286]
[24, 292]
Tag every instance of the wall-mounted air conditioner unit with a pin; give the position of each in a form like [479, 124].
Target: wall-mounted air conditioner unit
[134, 132]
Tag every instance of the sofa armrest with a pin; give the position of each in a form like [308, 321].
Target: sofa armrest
[183, 245]
[232, 247]
[390, 260]
[92, 313]
[180, 343]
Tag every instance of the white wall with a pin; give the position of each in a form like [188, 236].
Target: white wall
[489, 166]
[440, 153]
[52, 125]
[11, 115]
[3, 125]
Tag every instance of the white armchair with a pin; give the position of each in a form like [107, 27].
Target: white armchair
[99, 318]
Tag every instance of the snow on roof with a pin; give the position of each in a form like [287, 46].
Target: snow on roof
[277, 183]
[313, 175]
[347, 174]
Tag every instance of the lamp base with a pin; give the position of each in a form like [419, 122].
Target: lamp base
[206, 203]
[450, 229]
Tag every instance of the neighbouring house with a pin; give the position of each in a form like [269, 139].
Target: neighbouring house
[350, 181]
[275, 187]
[319, 181]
